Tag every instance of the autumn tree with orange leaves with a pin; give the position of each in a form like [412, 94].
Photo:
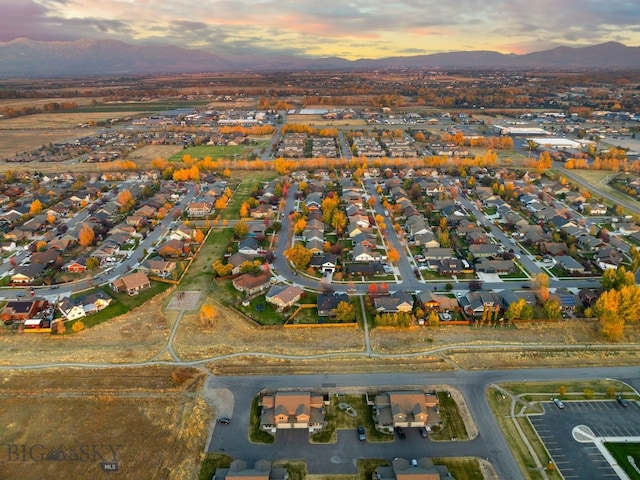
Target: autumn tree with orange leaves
[86, 235]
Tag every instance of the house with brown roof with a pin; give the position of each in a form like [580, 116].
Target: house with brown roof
[403, 409]
[416, 469]
[158, 266]
[239, 470]
[289, 410]
[284, 296]
[132, 284]
[199, 209]
[172, 248]
[21, 310]
[28, 274]
[250, 283]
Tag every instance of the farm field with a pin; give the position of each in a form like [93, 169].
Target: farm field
[62, 120]
[19, 141]
[149, 420]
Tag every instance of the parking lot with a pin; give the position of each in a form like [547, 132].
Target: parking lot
[604, 418]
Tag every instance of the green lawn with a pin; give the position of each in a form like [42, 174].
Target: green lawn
[200, 274]
[262, 312]
[339, 420]
[621, 452]
[255, 434]
[462, 468]
[452, 423]
[250, 180]
[211, 462]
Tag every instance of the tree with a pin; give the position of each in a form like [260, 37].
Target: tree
[552, 309]
[35, 208]
[434, 319]
[241, 229]
[339, 221]
[298, 255]
[78, 326]
[126, 201]
[86, 235]
[244, 210]
[222, 269]
[519, 310]
[92, 263]
[198, 236]
[345, 312]
[299, 226]
[207, 315]
[393, 255]
[606, 309]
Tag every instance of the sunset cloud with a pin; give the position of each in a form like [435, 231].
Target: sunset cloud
[353, 29]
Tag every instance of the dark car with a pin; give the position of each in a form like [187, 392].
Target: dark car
[54, 287]
[400, 432]
[362, 436]
[423, 432]
[622, 401]
[224, 420]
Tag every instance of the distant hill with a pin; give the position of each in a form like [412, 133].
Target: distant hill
[29, 58]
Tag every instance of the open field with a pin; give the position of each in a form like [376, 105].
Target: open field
[145, 155]
[39, 102]
[249, 181]
[598, 179]
[61, 120]
[19, 141]
[319, 122]
[627, 456]
[133, 337]
[149, 420]
[215, 152]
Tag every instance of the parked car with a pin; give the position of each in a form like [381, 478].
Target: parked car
[400, 432]
[362, 436]
[224, 420]
[622, 401]
[423, 432]
[558, 403]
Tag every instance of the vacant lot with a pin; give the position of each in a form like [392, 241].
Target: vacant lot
[145, 155]
[149, 420]
[61, 120]
[319, 122]
[20, 141]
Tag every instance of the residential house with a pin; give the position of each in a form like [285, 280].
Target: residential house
[325, 263]
[47, 257]
[437, 253]
[21, 310]
[284, 296]
[132, 284]
[262, 211]
[239, 470]
[589, 243]
[172, 248]
[292, 410]
[403, 409]
[70, 310]
[94, 302]
[77, 266]
[416, 469]
[361, 253]
[450, 266]
[248, 246]
[432, 301]
[328, 302]
[569, 264]
[607, 258]
[364, 269]
[495, 266]
[237, 260]
[199, 209]
[27, 274]
[251, 284]
[553, 248]
[158, 266]
[484, 251]
[397, 302]
[474, 303]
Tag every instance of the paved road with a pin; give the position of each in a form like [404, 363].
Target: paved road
[340, 457]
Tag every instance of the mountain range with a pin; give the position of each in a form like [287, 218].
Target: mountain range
[28, 58]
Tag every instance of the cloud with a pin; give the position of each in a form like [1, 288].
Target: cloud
[358, 28]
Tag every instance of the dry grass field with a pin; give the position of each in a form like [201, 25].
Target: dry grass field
[145, 155]
[60, 120]
[39, 102]
[20, 141]
[153, 425]
[319, 122]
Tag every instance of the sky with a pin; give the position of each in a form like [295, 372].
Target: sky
[320, 28]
